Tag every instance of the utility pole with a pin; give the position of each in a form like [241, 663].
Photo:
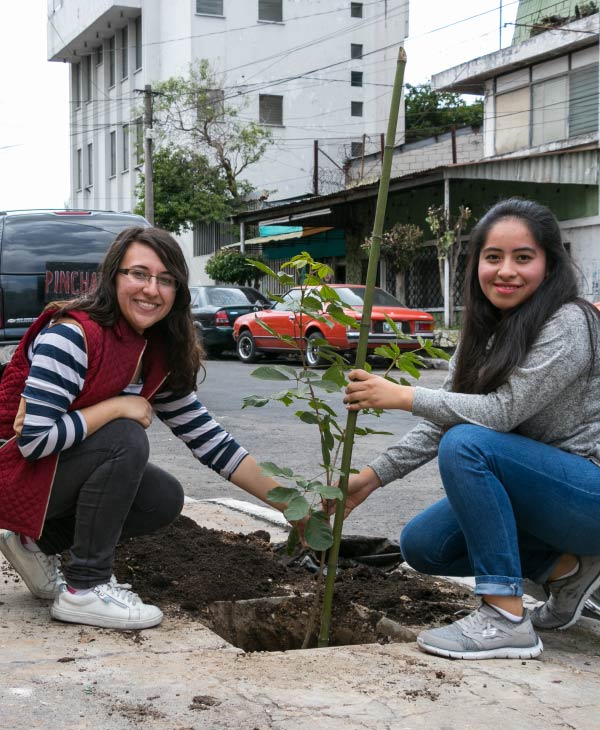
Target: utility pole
[316, 167]
[148, 176]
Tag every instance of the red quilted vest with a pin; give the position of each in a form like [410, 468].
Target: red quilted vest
[113, 357]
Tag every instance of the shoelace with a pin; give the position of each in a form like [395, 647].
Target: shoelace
[121, 593]
[476, 620]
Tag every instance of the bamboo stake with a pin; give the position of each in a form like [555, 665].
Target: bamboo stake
[361, 352]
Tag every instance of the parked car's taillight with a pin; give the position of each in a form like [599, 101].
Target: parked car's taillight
[221, 318]
[423, 327]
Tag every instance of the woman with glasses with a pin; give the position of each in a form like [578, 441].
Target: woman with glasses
[75, 401]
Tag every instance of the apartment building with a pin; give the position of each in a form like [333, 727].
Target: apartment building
[309, 69]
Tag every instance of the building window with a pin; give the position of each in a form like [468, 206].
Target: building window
[356, 108]
[99, 56]
[90, 165]
[112, 62]
[210, 237]
[87, 78]
[78, 170]
[270, 10]
[356, 50]
[512, 120]
[549, 111]
[583, 96]
[139, 141]
[76, 78]
[356, 10]
[125, 148]
[356, 149]
[211, 105]
[356, 78]
[124, 52]
[270, 109]
[138, 42]
[209, 7]
[113, 154]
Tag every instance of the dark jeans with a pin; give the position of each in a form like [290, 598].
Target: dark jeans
[513, 506]
[105, 489]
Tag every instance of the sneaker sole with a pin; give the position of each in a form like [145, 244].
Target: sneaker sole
[14, 562]
[79, 617]
[502, 652]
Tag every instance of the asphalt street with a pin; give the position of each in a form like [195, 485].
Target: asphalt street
[274, 433]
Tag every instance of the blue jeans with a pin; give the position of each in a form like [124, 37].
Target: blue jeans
[513, 506]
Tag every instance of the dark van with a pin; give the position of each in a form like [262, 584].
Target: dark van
[50, 255]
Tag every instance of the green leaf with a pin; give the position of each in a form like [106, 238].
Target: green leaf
[317, 533]
[394, 325]
[327, 385]
[272, 470]
[292, 372]
[307, 416]
[335, 374]
[326, 490]
[282, 495]
[297, 509]
[258, 401]
[262, 267]
[266, 372]
[292, 540]
[338, 314]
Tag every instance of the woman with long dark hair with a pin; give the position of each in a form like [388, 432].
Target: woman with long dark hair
[516, 429]
[75, 401]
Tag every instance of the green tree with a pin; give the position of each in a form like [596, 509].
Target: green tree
[232, 267]
[431, 112]
[187, 188]
[192, 113]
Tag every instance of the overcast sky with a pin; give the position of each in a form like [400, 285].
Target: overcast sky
[34, 124]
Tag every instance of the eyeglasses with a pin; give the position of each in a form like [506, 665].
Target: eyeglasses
[139, 276]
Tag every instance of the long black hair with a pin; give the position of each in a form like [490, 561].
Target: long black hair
[493, 341]
[184, 353]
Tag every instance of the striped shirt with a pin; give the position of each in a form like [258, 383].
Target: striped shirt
[59, 363]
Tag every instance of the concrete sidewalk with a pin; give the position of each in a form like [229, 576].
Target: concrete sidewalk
[181, 676]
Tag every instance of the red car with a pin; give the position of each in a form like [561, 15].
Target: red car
[252, 339]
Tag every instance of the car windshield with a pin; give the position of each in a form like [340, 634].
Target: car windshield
[223, 297]
[355, 297]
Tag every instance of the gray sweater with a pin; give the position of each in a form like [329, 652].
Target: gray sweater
[549, 398]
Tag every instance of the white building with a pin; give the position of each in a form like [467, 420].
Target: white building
[310, 69]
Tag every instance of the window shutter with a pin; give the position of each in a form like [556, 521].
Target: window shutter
[583, 98]
[209, 7]
[270, 10]
[271, 109]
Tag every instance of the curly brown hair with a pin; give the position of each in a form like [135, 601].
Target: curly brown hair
[184, 353]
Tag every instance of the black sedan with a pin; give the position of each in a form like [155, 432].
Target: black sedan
[215, 309]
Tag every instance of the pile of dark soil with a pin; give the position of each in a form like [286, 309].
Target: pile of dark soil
[185, 568]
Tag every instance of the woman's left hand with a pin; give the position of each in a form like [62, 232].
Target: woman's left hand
[372, 391]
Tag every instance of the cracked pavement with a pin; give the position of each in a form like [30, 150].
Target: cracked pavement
[181, 676]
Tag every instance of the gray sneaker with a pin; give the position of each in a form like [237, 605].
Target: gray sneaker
[40, 572]
[568, 596]
[483, 634]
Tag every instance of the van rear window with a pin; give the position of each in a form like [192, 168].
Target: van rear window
[29, 244]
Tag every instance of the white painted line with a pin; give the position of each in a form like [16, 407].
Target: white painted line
[267, 514]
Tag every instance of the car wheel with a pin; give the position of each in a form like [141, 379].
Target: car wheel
[246, 347]
[313, 355]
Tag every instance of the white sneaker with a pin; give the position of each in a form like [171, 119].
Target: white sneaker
[40, 572]
[110, 605]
